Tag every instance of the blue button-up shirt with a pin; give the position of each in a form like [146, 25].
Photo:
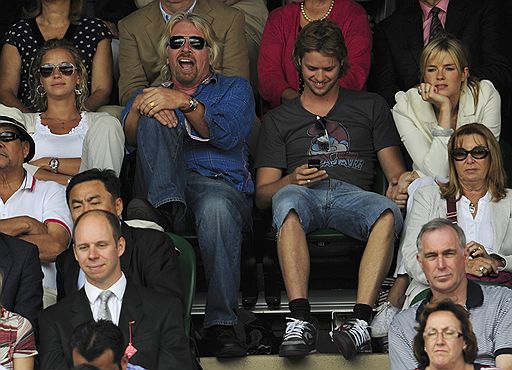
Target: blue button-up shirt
[229, 113]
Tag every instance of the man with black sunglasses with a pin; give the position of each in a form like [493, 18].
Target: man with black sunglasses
[32, 210]
[340, 134]
[140, 32]
[197, 165]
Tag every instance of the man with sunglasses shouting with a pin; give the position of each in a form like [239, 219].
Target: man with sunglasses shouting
[327, 142]
[198, 165]
[32, 210]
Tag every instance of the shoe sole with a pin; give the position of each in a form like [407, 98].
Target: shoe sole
[295, 352]
[342, 342]
[231, 353]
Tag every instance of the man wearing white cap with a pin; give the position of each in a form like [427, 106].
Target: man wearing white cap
[30, 209]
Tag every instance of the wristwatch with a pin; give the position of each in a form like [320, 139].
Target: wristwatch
[54, 164]
[192, 105]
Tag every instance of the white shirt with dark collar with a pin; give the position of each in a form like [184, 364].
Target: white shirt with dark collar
[114, 303]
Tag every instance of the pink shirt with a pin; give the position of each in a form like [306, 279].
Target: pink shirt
[427, 18]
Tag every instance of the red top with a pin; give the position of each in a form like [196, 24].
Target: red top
[276, 71]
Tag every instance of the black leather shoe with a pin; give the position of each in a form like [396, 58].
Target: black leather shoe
[141, 209]
[227, 343]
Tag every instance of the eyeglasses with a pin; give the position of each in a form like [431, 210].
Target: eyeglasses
[66, 69]
[446, 333]
[7, 136]
[195, 42]
[323, 141]
[478, 152]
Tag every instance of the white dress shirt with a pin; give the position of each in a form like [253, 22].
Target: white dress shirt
[114, 303]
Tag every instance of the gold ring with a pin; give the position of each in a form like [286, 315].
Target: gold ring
[482, 269]
[152, 104]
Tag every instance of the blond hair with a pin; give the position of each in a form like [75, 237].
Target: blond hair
[203, 26]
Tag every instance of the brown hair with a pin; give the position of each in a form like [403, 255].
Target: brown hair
[462, 315]
[496, 178]
[325, 37]
[452, 46]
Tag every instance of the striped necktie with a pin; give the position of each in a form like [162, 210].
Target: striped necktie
[436, 28]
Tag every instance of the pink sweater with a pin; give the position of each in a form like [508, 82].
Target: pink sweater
[276, 71]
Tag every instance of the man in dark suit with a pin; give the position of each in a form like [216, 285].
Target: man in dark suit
[399, 40]
[153, 322]
[22, 290]
[149, 259]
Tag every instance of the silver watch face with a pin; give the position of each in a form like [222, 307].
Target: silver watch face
[54, 163]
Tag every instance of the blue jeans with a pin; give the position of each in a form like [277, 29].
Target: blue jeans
[333, 204]
[159, 151]
[220, 213]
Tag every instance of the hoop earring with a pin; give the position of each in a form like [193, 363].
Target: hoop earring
[78, 91]
[40, 90]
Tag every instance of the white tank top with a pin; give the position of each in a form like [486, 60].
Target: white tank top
[61, 146]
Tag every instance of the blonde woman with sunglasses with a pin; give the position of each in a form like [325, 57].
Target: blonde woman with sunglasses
[68, 139]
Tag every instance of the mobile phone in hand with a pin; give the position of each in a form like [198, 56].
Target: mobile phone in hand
[314, 163]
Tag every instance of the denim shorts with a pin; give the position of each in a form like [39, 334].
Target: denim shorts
[333, 204]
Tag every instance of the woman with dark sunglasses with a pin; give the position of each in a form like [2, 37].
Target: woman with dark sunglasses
[68, 139]
[43, 20]
[476, 198]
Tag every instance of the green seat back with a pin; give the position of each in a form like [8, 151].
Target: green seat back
[187, 263]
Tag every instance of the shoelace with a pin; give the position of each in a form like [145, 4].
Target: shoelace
[294, 328]
[358, 330]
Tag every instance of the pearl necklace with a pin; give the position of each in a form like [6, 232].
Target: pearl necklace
[306, 17]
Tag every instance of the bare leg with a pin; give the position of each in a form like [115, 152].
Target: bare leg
[396, 295]
[292, 250]
[377, 258]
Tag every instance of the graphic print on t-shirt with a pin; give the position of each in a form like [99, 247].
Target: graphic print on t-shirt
[331, 144]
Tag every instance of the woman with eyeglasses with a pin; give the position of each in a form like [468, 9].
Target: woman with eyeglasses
[68, 139]
[445, 338]
[475, 196]
[54, 19]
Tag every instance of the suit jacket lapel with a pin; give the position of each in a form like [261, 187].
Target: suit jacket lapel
[131, 311]
[500, 211]
[80, 309]
[154, 25]
[204, 8]
[5, 262]
[455, 17]
[413, 31]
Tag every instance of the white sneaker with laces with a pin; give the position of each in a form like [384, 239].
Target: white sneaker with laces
[382, 320]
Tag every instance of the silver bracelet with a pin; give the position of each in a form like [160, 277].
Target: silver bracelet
[444, 132]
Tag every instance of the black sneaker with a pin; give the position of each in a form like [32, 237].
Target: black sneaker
[299, 339]
[227, 343]
[352, 337]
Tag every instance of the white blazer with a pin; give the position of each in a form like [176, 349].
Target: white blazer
[415, 119]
